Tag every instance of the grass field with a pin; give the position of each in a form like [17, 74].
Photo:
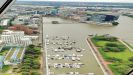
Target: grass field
[20, 52]
[4, 50]
[10, 54]
[118, 67]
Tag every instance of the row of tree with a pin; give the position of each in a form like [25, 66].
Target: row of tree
[114, 47]
[31, 61]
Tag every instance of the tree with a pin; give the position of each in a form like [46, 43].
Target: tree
[35, 62]
[131, 59]
[35, 73]
[111, 45]
[31, 46]
[27, 60]
[25, 73]
[123, 70]
[35, 66]
[131, 65]
[6, 48]
[25, 70]
[114, 47]
[26, 67]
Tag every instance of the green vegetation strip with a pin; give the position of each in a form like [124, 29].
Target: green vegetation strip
[10, 54]
[5, 50]
[115, 52]
[31, 64]
[20, 52]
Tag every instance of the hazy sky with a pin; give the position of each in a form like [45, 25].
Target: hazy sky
[125, 1]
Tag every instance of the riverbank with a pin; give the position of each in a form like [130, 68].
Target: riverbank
[105, 24]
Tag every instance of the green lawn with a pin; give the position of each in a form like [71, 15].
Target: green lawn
[118, 68]
[10, 54]
[102, 43]
[3, 53]
[20, 52]
[122, 55]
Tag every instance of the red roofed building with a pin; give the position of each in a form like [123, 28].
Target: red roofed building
[22, 28]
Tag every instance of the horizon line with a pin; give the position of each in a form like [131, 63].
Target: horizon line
[76, 1]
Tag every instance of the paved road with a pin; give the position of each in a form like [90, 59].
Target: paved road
[42, 44]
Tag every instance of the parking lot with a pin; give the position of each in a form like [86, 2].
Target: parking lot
[65, 56]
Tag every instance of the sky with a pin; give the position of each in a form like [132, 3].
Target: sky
[123, 1]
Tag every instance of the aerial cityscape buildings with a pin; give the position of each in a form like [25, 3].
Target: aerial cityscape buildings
[66, 38]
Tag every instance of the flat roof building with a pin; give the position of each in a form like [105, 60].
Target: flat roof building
[15, 37]
[4, 22]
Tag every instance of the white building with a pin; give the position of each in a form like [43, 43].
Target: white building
[4, 22]
[35, 20]
[26, 41]
[32, 37]
[15, 37]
